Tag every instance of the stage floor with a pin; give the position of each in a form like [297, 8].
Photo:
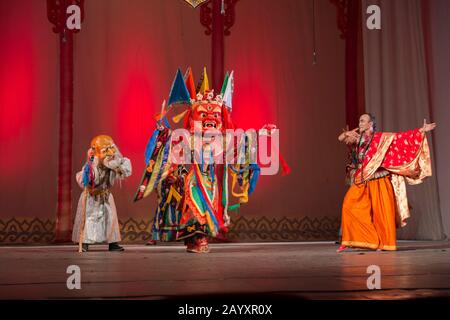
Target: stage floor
[304, 270]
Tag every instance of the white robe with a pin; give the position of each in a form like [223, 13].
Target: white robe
[101, 224]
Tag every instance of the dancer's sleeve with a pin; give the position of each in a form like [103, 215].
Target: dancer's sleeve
[404, 148]
[157, 162]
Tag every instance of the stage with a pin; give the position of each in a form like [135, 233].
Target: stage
[299, 270]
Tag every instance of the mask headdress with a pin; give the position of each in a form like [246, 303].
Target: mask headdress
[225, 82]
[203, 84]
[183, 91]
[189, 80]
[227, 90]
[179, 93]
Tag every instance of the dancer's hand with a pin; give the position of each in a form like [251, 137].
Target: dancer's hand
[93, 160]
[427, 126]
[90, 154]
[350, 136]
[353, 134]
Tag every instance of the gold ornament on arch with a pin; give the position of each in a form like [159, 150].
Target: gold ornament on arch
[195, 3]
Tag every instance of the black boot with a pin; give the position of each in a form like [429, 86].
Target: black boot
[115, 247]
[85, 247]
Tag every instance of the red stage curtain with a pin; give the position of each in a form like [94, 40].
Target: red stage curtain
[124, 61]
[28, 111]
[271, 51]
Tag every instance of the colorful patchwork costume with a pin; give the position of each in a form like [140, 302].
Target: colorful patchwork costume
[193, 196]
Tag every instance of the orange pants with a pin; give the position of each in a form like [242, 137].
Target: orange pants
[368, 216]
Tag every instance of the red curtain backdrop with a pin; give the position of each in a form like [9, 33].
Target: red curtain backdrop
[271, 51]
[125, 58]
[28, 111]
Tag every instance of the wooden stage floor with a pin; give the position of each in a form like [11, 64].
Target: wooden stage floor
[303, 270]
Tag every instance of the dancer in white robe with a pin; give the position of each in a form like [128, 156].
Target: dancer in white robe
[96, 219]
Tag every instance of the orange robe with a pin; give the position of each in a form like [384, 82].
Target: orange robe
[374, 207]
[368, 216]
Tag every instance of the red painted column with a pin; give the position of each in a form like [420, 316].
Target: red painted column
[349, 20]
[56, 12]
[64, 207]
[217, 45]
[218, 16]
[354, 61]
